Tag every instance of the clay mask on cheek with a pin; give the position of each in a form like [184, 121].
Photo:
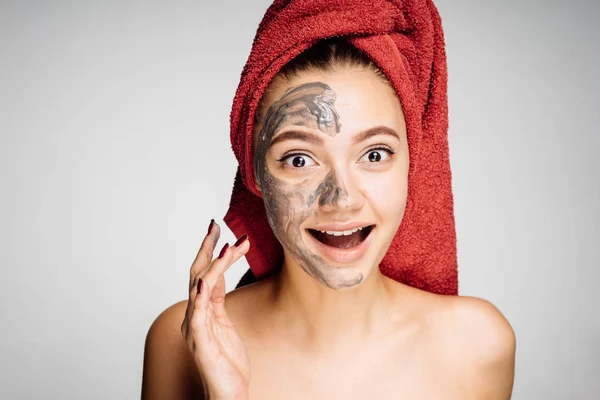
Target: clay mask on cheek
[289, 205]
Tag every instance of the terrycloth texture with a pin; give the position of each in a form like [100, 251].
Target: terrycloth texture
[405, 39]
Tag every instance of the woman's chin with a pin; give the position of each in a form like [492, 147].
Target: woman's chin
[343, 279]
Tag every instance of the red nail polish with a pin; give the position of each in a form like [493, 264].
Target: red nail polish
[240, 240]
[212, 222]
[223, 250]
[200, 286]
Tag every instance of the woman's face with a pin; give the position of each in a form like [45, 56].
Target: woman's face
[331, 161]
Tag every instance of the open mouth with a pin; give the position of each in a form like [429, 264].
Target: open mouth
[342, 240]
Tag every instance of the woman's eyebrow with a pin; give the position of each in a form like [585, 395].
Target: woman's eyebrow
[315, 139]
[297, 135]
[378, 130]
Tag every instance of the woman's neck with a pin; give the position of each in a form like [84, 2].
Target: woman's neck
[327, 317]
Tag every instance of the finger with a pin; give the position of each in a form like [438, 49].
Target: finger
[205, 253]
[217, 296]
[210, 239]
[218, 292]
[227, 257]
[203, 258]
[194, 297]
[198, 325]
[217, 300]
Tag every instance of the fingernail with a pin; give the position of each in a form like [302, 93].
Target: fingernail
[212, 222]
[240, 240]
[223, 250]
[200, 286]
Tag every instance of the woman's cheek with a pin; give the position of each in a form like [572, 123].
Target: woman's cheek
[299, 202]
[387, 193]
[294, 198]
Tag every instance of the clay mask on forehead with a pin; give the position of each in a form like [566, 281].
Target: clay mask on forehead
[287, 204]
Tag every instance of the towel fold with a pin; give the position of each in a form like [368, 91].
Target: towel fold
[405, 39]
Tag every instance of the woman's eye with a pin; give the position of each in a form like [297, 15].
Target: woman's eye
[376, 155]
[298, 160]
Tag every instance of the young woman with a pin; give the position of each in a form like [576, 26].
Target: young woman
[331, 145]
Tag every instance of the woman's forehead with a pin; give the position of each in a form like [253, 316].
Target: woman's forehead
[361, 100]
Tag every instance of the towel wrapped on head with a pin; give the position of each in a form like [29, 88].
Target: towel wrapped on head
[405, 39]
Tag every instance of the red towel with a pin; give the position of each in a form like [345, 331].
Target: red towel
[405, 39]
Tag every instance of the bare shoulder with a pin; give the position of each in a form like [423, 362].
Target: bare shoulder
[483, 326]
[481, 343]
[168, 319]
[165, 331]
[169, 369]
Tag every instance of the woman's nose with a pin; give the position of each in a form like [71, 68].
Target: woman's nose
[339, 192]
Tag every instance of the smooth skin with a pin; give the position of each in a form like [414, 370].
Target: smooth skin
[292, 337]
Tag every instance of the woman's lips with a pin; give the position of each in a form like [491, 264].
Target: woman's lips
[343, 255]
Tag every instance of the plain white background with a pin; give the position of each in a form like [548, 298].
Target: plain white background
[114, 155]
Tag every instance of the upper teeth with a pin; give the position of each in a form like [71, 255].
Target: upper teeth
[342, 233]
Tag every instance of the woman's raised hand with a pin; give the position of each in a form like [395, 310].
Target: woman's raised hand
[217, 348]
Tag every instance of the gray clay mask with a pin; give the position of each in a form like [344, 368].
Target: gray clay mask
[289, 205]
